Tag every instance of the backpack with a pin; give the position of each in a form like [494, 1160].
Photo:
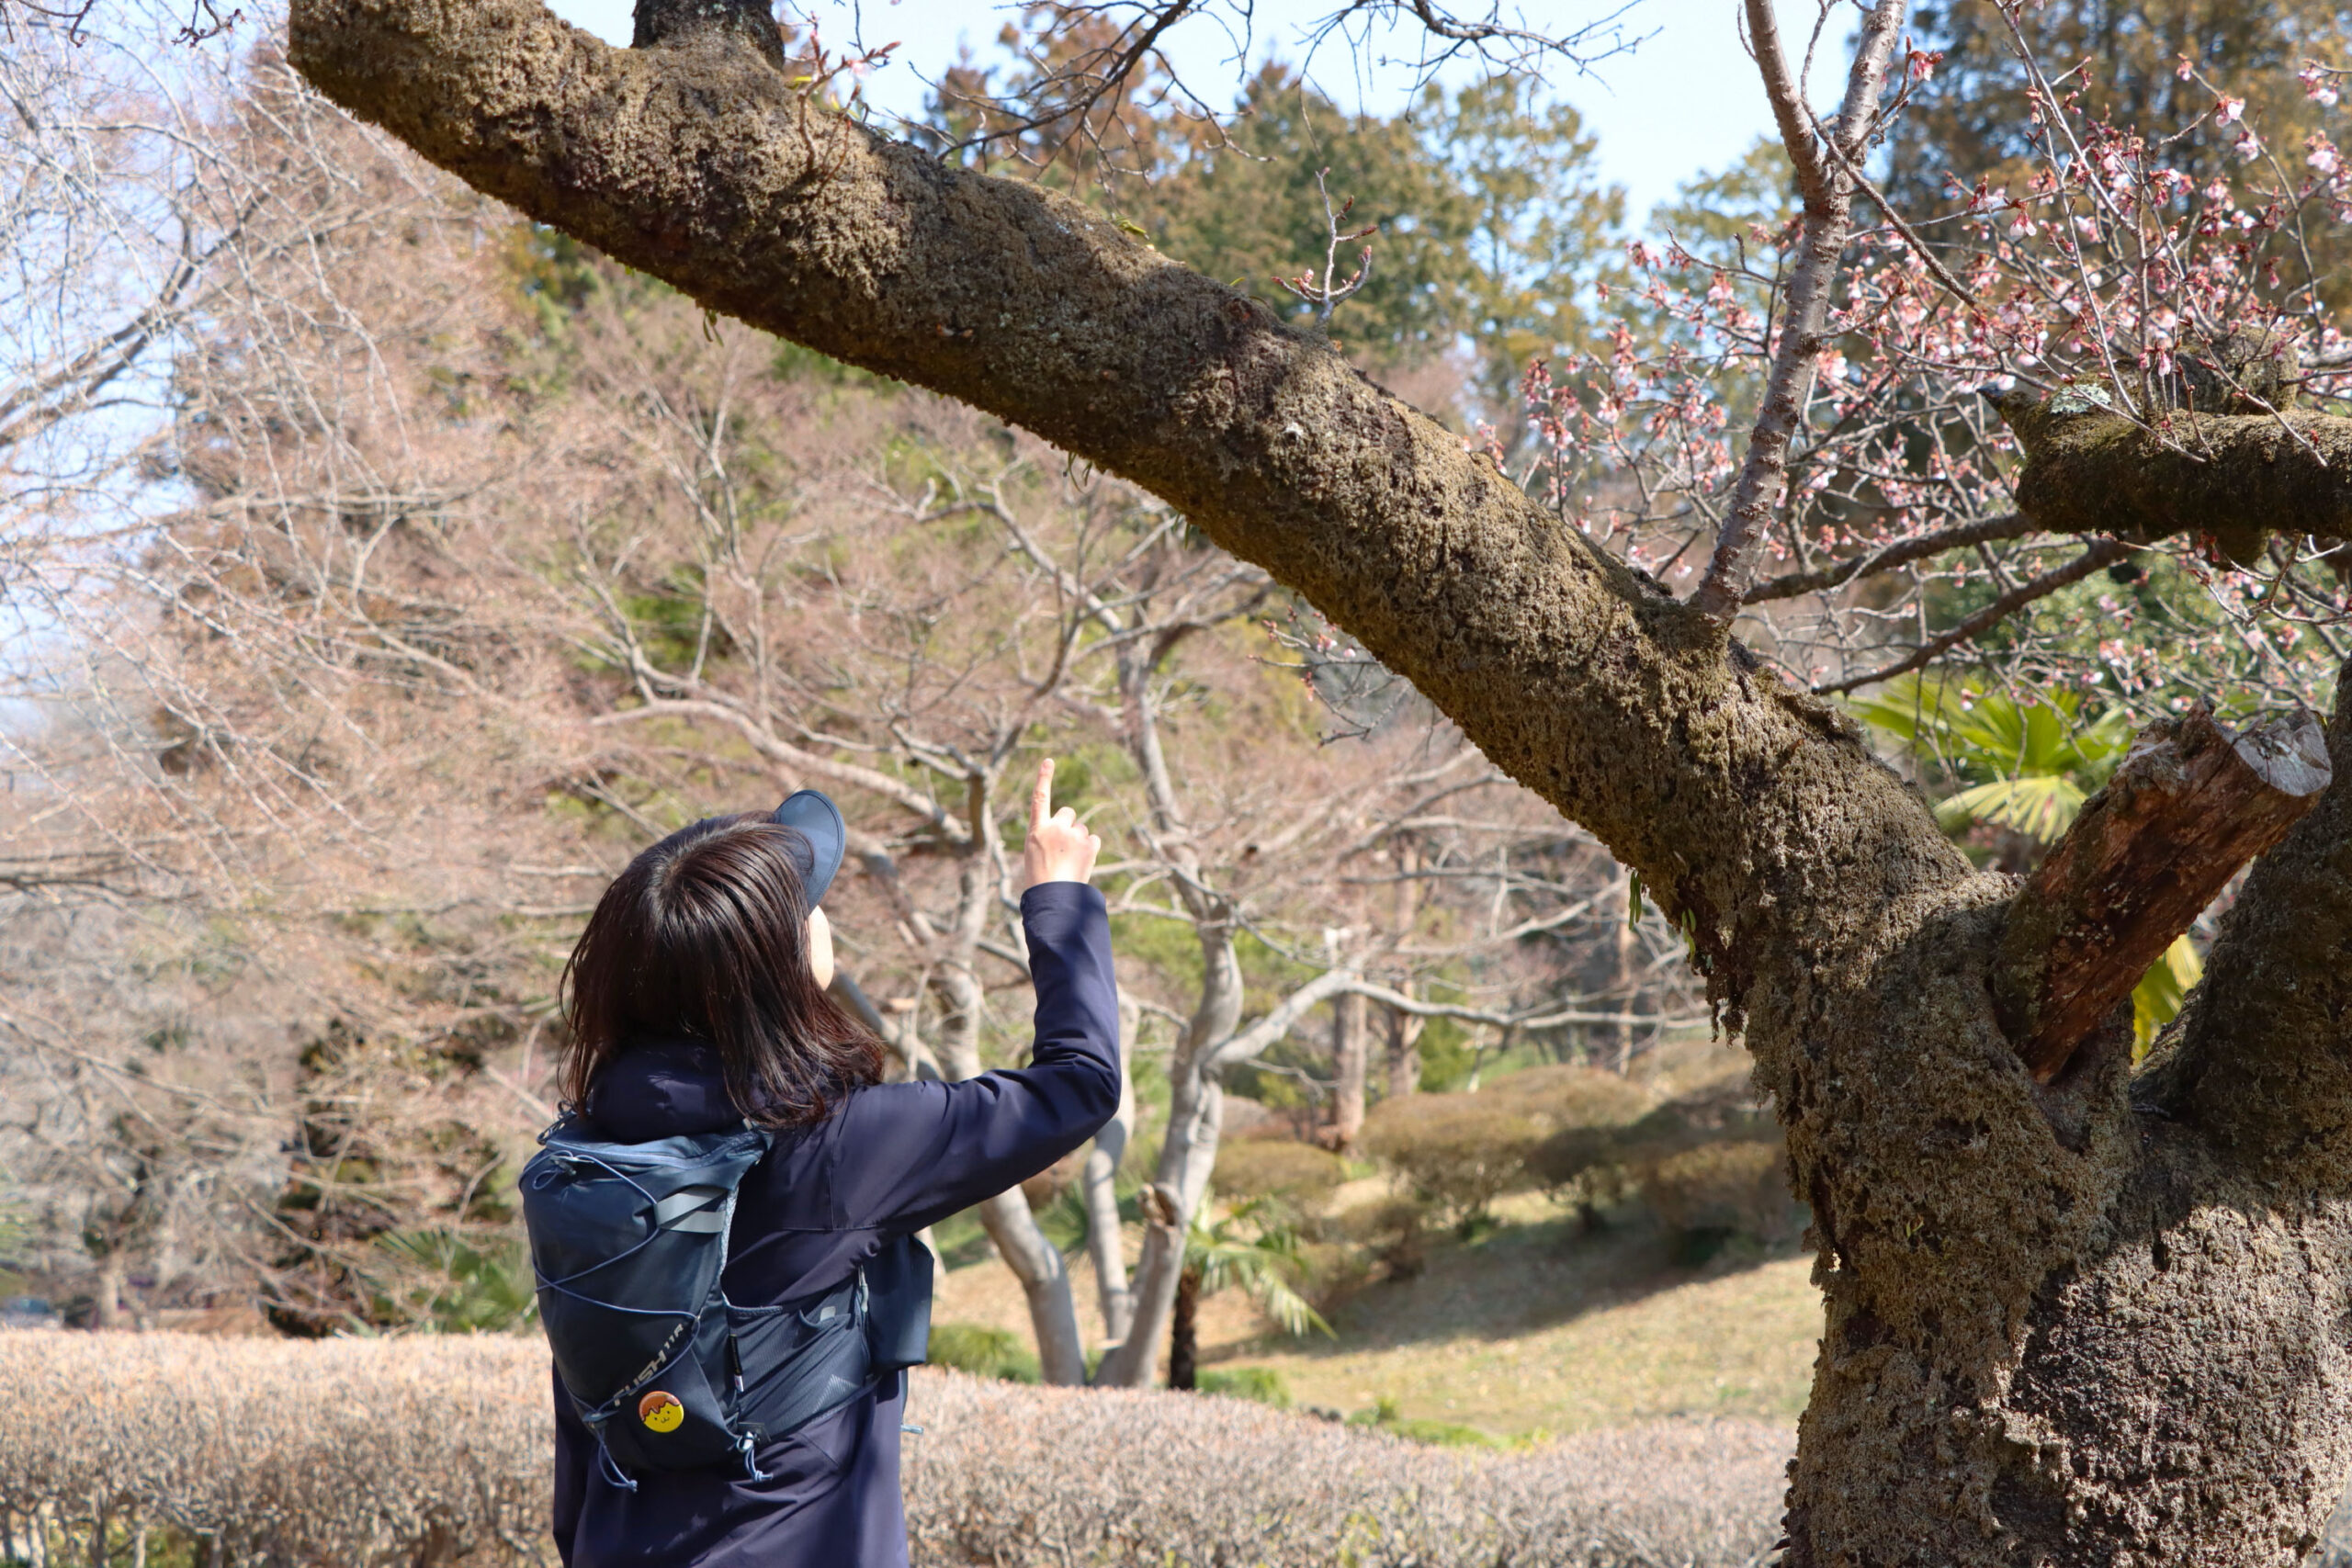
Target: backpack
[629, 1242]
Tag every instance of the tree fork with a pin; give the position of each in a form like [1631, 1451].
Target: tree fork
[2191, 805]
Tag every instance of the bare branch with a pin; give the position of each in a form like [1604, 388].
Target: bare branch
[2104, 552]
[1903, 552]
[1828, 210]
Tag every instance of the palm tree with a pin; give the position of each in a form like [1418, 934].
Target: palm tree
[1254, 1245]
[2026, 767]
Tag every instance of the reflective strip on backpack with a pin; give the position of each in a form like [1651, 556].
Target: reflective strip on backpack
[694, 1203]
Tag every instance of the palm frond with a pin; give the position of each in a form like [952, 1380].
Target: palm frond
[2041, 807]
[2156, 999]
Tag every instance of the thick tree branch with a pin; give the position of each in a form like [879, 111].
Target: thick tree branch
[2189, 807]
[1828, 217]
[1263, 1036]
[702, 164]
[2236, 478]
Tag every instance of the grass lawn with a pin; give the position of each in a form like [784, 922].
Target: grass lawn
[1531, 1327]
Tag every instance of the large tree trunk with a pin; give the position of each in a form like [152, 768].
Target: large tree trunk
[105, 1310]
[2100, 1320]
[1404, 1052]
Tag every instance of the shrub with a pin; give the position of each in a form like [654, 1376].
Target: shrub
[1599, 1164]
[1260, 1385]
[1456, 1152]
[1722, 1190]
[1022, 1478]
[984, 1352]
[1576, 1097]
[1585, 1165]
[1274, 1167]
[434, 1453]
[340, 1451]
[1461, 1152]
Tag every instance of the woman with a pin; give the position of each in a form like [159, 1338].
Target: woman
[697, 999]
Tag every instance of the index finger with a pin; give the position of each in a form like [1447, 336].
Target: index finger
[1041, 802]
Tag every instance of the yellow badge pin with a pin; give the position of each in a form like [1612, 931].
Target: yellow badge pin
[660, 1411]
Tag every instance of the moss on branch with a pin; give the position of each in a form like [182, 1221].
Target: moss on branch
[2219, 452]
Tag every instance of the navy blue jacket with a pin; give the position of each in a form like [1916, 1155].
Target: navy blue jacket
[891, 1160]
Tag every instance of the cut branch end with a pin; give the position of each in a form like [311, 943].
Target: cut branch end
[2192, 804]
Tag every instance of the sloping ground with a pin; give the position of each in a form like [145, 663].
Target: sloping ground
[1738, 1344]
[1533, 1328]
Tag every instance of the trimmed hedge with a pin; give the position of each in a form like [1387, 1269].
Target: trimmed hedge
[434, 1453]
[1460, 1152]
[1278, 1168]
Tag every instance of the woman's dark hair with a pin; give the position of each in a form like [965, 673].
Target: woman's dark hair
[705, 937]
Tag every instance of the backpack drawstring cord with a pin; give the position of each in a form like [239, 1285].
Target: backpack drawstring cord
[611, 1467]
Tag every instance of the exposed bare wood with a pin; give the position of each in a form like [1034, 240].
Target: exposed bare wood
[2191, 805]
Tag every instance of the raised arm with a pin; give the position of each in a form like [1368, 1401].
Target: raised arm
[907, 1154]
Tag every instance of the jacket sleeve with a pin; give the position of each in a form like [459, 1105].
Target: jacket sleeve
[906, 1155]
[575, 1452]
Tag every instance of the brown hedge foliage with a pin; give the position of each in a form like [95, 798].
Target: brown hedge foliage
[1025, 1478]
[1736, 1187]
[1277, 1168]
[434, 1452]
[349, 1452]
[1461, 1152]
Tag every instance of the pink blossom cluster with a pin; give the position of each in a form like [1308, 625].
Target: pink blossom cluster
[2086, 271]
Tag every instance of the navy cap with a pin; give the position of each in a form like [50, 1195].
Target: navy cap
[812, 814]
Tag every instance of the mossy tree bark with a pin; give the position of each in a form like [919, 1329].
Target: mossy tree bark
[2103, 1320]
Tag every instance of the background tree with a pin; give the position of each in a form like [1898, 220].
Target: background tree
[468, 563]
[1972, 118]
[1251, 1248]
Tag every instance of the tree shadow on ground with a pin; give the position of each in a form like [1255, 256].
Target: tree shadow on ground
[1515, 1279]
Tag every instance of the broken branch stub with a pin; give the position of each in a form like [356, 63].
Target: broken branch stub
[2191, 805]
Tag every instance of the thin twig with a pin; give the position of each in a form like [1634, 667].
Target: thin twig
[2101, 554]
[2008, 525]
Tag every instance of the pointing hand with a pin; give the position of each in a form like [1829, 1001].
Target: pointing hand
[1059, 848]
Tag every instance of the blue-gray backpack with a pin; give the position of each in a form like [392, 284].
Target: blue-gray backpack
[629, 1242]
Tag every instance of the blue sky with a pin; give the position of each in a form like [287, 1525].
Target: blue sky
[1686, 100]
